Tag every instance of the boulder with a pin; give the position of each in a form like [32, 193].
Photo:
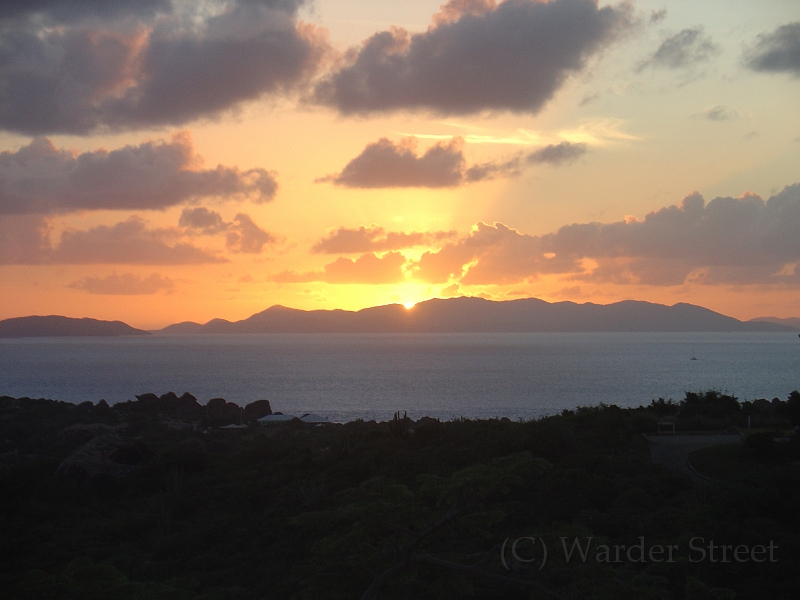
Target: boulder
[256, 410]
[233, 412]
[216, 408]
[187, 401]
[148, 397]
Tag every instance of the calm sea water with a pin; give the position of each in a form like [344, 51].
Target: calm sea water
[519, 375]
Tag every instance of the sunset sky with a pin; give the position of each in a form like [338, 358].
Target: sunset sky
[171, 160]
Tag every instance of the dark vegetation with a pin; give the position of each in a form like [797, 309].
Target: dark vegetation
[152, 499]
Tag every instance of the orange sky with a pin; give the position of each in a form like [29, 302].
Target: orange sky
[183, 161]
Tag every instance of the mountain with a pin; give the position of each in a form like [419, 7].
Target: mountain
[478, 315]
[56, 326]
[790, 321]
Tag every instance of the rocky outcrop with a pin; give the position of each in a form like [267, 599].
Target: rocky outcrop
[216, 408]
[256, 410]
[171, 403]
[223, 412]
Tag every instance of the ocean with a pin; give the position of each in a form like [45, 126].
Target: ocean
[370, 376]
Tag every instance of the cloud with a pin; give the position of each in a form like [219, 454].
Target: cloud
[684, 49]
[376, 239]
[742, 241]
[42, 179]
[127, 242]
[476, 56]
[718, 113]
[451, 291]
[489, 254]
[247, 237]
[67, 12]
[384, 164]
[241, 235]
[557, 154]
[126, 284]
[202, 220]
[366, 269]
[777, 51]
[76, 67]
[735, 240]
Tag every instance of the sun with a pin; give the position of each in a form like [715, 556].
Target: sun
[409, 305]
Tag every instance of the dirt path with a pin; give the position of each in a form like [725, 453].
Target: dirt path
[674, 450]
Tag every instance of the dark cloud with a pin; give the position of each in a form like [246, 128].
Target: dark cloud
[728, 240]
[366, 269]
[684, 49]
[126, 284]
[557, 154]
[69, 11]
[384, 164]
[127, 242]
[241, 235]
[476, 56]
[148, 67]
[777, 51]
[40, 178]
[376, 239]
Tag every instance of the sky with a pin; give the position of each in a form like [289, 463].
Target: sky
[173, 160]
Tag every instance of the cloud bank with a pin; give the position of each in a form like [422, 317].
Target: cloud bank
[741, 241]
[25, 240]
[75, 67]
[476, 56]
[42, 179]
[384, 164]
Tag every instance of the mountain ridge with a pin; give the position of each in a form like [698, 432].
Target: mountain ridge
[471, 314]
[790, 321]
[465, 314]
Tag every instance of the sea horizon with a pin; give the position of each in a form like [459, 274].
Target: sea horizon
[371, 376]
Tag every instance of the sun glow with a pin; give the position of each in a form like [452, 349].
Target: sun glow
[409, 305]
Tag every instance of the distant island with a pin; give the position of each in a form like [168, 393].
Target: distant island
[467, 315]
[453, 315]
[791, 321]
[57, 326]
